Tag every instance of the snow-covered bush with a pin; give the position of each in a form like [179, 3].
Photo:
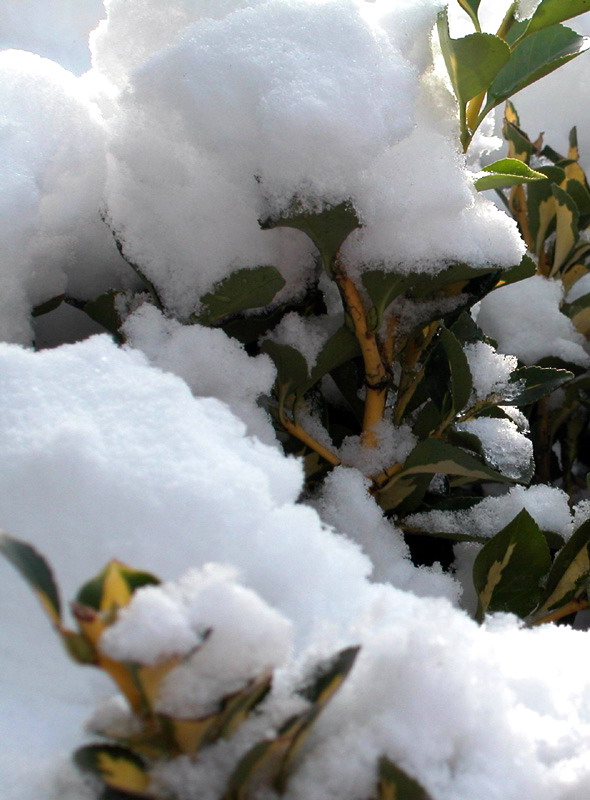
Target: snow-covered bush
[278, 210]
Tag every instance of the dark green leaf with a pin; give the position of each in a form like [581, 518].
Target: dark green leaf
[526, 269]
[569, 573]
[508, 571]
[328, 228]
[91, 594]
[341, 347]
[541, 205]
[507, 172]
[383, 288]
[533, 57]
[240, 291]
[272, 758]
[535, 383]
[395, 784]
[292, 370]
[550, 12]
[472, 61]
[36, 571]
[105, 310]
[461, 380]
[117, 766]
[47, 306]
[566, 227]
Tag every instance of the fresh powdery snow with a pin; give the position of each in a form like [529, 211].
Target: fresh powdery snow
[105, 455]
[197, 119]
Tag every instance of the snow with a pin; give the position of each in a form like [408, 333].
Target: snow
[524, 318]
[490, 370]
[393, 444]
[504, 447]
[546, 504]
[58, 30]
[194, 353]
[54, 168]
[241, 637]
[198, 118]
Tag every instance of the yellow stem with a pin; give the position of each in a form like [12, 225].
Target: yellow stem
[380, 480]
[299, 433]
[569, 608]
[377, 376]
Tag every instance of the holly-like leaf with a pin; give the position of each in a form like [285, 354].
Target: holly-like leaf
[48, 305]
[542, 205]
[472, 61]
[242, 290]
[536, 382]
[461, 380]
[293, 373]
[526, 269]
[328, 227]
[569, 574]
[105, 309]
[114, 586]
[579, 313]
[509, 569]
[506, 172]
[36, 571]
[118, 767]
[341, 347]
[395, 784]
[534, 56]
[272, 758]
[566, 227]
[550, 12]
[383, 288]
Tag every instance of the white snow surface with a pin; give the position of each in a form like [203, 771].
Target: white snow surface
[524, 318]
[546, 504]
[490, 370]
[504, 447]
[195, 353]
[225, 120]
[51, 183]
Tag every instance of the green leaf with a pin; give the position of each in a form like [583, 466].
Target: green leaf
[429, 457]
[341, 347]
[535, 383]
[579, 313]
[328, 228]
[47, 306]
[533, 57]
[566, 227]
[116, 766]
[472, 61]
[240, 291]
[383, 288]
[395, 784]
[471, 7]
[541, 205]
[105, 310]
[508, 570]
[461, 380]
[36, 571]
[569, 573]
[550, 12]
[100, 592]
[293, 373]
[272, 758]
[526, 269]
[506, 172]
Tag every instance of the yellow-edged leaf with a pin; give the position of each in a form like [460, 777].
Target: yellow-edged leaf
[570, 570]
[36, 571]
[116, 766]
[566, 226]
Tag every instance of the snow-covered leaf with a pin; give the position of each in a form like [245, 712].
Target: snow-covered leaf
[508, 571]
